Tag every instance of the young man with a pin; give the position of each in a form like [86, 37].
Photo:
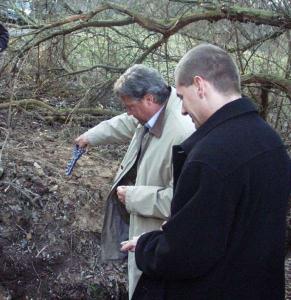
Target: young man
[142, 189]
[225, 237]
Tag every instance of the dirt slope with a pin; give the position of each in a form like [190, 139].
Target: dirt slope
[50, 224]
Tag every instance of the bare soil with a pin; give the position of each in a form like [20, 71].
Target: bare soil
[50, 223]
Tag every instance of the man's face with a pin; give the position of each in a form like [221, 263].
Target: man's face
[141, 109]
[192, 104]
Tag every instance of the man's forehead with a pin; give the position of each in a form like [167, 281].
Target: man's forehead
[128, 100]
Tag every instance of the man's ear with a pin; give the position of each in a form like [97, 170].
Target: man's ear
[200, 85]
[149, 98]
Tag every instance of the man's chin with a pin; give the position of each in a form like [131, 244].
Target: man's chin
[197, 125]
[142, 122]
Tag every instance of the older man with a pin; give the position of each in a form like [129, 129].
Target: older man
[142, 189]
[225, 237]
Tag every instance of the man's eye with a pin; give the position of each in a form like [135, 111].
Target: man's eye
[180, 96]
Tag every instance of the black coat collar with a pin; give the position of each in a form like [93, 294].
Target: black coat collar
[231, 110]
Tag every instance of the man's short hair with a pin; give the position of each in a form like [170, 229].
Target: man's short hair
[140, 80]
[213, 64]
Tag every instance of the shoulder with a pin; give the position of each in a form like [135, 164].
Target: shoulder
[235, 143]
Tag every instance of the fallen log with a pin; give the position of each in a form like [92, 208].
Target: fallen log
[63, 113]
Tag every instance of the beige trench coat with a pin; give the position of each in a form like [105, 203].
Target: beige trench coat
[148, 200]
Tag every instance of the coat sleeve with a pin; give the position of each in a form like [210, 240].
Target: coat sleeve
[117, 130]
[4, 37]
[149, 201]
[195, 237]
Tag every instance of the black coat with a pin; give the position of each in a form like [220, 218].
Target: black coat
[225, 238]
[4, 37]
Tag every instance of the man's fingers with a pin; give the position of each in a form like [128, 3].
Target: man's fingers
[120, 191]
[121, 188]
[127, 246]
[82, 141]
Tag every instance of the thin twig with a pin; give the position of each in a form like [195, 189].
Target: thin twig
[41, 251]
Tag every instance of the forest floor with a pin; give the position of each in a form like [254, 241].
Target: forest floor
[50, 223]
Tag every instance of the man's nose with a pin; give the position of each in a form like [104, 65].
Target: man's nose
[183, 111]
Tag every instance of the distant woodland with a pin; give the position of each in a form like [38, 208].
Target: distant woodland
[64, 55]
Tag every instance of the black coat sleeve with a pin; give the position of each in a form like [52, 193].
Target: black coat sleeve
[195, 237]
[4, 38]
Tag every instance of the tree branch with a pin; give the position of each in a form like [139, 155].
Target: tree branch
[150, 49]
[167, 27]
[112, 69]
[277, 82]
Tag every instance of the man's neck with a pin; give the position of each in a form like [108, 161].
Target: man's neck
[221, 100]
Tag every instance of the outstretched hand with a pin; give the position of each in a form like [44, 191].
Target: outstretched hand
[82, 141]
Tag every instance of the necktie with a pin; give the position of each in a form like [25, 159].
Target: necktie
[142, 143]
[131, 175]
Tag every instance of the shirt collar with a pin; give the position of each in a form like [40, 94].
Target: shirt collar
[152, 121]
[230, 110]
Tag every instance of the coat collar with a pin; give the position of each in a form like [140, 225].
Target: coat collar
[157, 129]
[231, 110]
